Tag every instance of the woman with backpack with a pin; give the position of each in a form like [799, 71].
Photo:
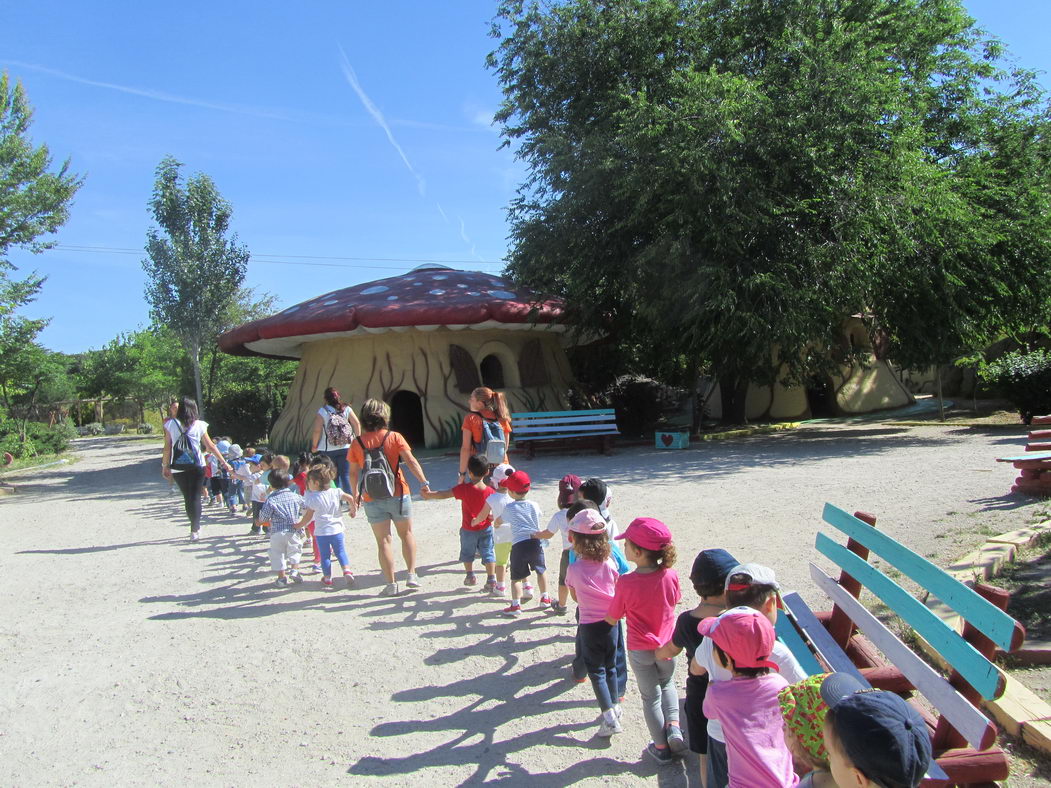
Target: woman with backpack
[375, 458]
[335, 426]
[486, 428]
[183, 459]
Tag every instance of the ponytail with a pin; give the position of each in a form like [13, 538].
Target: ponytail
[333, 400]
[494, 401]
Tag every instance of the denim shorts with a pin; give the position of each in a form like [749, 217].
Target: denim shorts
[397, 509]
[477, 542]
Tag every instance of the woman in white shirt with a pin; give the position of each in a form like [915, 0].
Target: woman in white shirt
[320, 441]
[189, 478]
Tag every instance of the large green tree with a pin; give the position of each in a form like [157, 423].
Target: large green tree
[195, 264]
[725, 181]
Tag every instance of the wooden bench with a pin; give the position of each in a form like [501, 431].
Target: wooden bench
[962, 737]
[1034, 467]
[598, 426]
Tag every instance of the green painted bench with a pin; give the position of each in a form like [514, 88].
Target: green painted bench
[559, 428]
[851, 638]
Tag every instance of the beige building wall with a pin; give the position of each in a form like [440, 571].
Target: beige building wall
[382, 364]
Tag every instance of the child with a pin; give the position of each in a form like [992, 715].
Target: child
[476, 537]
[592, 580]
[281, 512]
[747, 707]
[748, 586]
[299, 478]
[527, 553]
[237, 482]
[324, 511]
[494, 508]
[708, 576]
[248, 455]
[568, 486]
[258, 475]
[600, 494]
[873, 738]
[648, 597]
[803, 711]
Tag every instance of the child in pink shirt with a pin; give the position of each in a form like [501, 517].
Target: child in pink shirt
[747, 706]
[592, 580]
[648, 597]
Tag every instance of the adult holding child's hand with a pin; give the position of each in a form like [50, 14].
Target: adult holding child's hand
[182, 459]
[376, 478]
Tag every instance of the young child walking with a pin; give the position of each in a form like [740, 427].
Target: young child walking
[299, 479]
[648, 596]
[259, 467]
[708, 577]
[527, 552]
[281, 512]
[237, 482]
[324, 511]
[493, 509]
[592, 580]
[747, 707]
[476, 538]
[568, 486]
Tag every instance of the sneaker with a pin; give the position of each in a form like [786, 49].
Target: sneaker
[470, 579]
[315, 569]
[282, 581]
[326, 583]
[412, 581]
[489, 588]
[559, 609]
[254, 531]
[349, 578]
[295, 577]
[660, 754]
[675, 741]
[607, 729]
[391, 589]
[545, 602]
[195, 536]
[618, 710]
[527, 592]
[512, 611]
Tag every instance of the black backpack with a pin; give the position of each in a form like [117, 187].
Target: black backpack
[378, 479]
[185, 456]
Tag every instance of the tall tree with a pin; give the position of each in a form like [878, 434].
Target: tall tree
[195, 265]
[727, 180]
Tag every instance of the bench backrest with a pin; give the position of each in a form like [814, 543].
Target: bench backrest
[987, 626]
[564, 423]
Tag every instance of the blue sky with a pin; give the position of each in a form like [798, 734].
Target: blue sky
[335, 129]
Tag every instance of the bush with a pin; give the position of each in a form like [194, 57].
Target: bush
[245, 415]
[1024, 379]
[145, 428]
[39, 438]
[642, 403]
[94, 428]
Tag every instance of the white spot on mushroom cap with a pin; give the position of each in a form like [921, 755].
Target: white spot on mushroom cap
[392, 298]
[462, 285]
[290, 310]
[375, 289]
[437, 292]
[440, 276]
[502, 294]
[331, 302]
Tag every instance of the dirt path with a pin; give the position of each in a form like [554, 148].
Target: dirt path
[131, 656]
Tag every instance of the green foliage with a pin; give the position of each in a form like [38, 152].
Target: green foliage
[642, 403]
[28, 439]
[1023, 378]
[145, 428]
[719, 183]
[195, 267]
[94, 428]
[246, 415]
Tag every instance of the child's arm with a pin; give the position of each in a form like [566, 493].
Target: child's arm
[547, 533]
[696, 668]
[485, 512]
[352, 503]
[668, 651]
[304, 521]
[435, 495]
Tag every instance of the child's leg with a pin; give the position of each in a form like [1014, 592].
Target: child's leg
[487, 550]
[313, 543]
[644, 666]
[669, 695]
[595, 642]
[622, 661]
[294, 551]
[277, 553]
[468, 546]
[541, 581]
[563, 589]
[324, 544]
[340, 547]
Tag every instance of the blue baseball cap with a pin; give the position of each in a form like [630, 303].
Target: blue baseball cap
[711, 567]
[256, 458]
[882, 735]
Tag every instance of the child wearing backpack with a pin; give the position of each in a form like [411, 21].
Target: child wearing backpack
[476, 536]
[486, 429]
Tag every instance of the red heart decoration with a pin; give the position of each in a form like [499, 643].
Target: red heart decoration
[666, 439]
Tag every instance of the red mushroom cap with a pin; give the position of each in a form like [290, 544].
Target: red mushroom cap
[426, 298]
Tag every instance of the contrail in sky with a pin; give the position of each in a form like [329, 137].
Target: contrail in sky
[374, 111]
[466, 240]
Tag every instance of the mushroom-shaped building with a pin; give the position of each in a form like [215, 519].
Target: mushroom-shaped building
[422, 341]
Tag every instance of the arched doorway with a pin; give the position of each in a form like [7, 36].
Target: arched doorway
[406, 417]
[492, 372]
[821, 397]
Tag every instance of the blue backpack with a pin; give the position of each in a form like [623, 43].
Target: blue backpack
[494, 442]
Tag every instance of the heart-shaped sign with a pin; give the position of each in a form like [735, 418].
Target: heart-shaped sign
[666, 439]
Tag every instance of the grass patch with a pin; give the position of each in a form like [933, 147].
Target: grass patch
[1026, 579]
[32, 462]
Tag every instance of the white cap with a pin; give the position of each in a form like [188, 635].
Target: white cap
[758, 574]
[501, 472]
[235, 451]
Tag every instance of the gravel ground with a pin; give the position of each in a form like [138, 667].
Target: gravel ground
[133, 657]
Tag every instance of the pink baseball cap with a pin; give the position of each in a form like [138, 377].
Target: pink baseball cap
[588, 521]
[647, 532]
[517, 482]
[744, 634]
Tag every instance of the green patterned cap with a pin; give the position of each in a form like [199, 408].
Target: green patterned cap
[804, 711]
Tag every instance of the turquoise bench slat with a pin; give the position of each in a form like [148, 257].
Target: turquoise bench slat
[985, 616]
[786, 631]
[519, 438]
[526, 429]
[972, 666]
[596, 412]
[1033, 455]
[971, 723]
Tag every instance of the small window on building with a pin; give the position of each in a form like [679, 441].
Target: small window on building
[492, 372]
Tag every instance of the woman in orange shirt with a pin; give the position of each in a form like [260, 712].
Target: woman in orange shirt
[484, 403]
[375, 416]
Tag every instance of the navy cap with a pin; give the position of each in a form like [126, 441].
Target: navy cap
[710, 567]
[882, 735]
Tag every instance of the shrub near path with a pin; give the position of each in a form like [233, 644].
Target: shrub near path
[134, 657]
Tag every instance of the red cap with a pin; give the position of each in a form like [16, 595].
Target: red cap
[647, 532]
[746, 635]
[517, 482]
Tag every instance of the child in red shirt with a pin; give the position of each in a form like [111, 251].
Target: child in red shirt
[475, 540]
